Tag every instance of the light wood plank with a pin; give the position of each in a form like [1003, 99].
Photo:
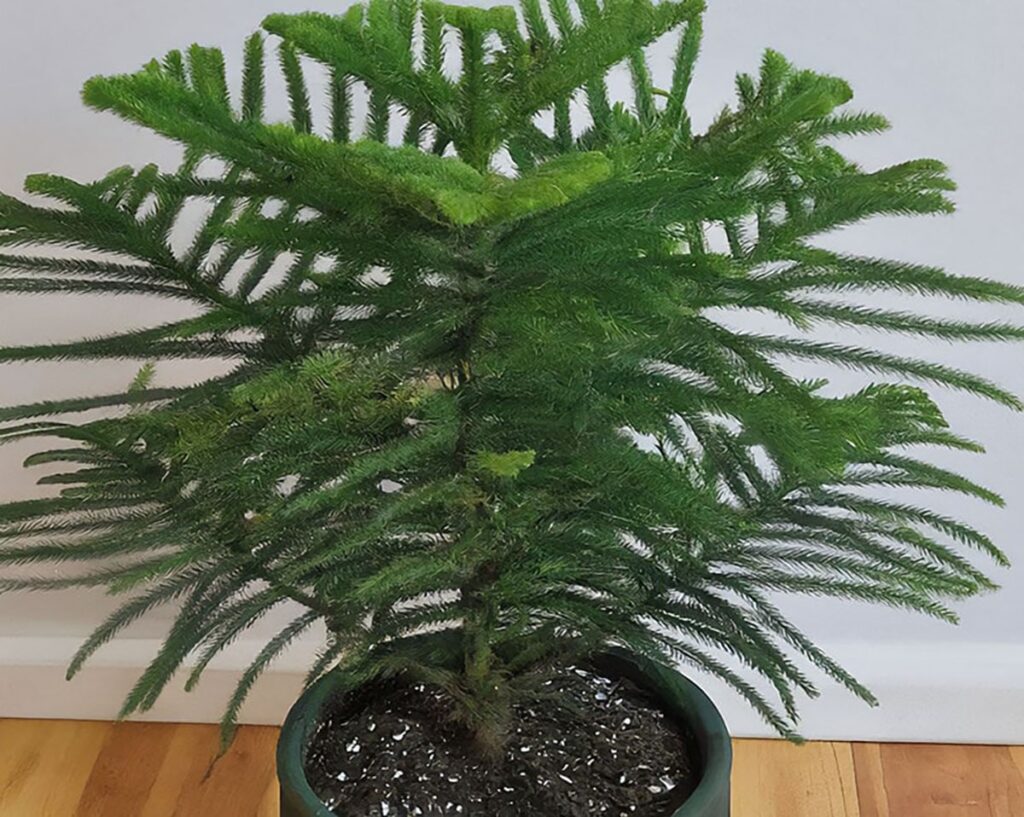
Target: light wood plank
[126, 768]
[241, 777]
[193, 781]
[1017, 756]
[189, 756]
[951, 781]
[777, 779]
[871, 794]
[271, 805]
[45, 765]
[83, 769]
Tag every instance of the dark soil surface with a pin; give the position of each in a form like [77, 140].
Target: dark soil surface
[595, 747]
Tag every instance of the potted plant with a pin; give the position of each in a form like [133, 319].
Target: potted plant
[486, 417]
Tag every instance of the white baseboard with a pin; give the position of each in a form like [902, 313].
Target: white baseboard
[33, 685]
[938, 692]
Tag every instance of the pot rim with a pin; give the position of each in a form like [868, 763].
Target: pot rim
[679, 695]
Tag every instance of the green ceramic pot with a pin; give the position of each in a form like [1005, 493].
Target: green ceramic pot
[679, 697]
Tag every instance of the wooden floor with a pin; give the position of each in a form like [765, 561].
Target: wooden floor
[87, 769]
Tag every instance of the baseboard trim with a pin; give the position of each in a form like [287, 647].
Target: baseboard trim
[938, 692]
[33, 684]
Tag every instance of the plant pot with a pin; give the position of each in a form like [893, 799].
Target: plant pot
[679, 697]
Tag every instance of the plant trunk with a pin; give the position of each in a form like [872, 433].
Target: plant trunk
[487, 706]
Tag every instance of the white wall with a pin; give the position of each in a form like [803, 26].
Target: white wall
[947, 73]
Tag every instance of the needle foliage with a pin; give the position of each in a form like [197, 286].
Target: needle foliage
[484, 411]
